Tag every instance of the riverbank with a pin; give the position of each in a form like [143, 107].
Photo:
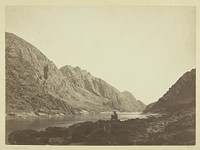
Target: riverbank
[174, 129]
[28, 115]
[40, 123]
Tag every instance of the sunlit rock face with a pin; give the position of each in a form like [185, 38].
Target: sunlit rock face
[35, 86]
[81, 79]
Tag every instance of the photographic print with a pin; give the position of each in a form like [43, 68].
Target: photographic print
[100, 75]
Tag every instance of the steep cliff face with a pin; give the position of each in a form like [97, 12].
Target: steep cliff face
[83, 80]
[35, 85]
[30, 86]
[148, 107]
[137, 103]
[182, 95]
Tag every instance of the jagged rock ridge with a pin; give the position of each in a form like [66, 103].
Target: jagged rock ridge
[182, 95]
[81, 79]
[34, 85]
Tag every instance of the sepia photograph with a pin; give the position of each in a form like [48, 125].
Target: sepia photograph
[100, 75]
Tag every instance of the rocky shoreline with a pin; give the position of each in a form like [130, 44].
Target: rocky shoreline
[171, 129]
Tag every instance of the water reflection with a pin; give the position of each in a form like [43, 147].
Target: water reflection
[64, 121]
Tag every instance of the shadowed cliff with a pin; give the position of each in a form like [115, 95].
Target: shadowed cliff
[180, 96]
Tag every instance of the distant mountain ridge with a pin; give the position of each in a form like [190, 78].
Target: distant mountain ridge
[34, 85]
[81, 79]
[182, 95]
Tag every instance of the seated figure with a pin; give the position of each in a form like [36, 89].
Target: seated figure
[114, 116]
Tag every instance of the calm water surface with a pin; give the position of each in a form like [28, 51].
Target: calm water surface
[64, 121]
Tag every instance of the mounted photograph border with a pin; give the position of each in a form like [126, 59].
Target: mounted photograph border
[5, 3]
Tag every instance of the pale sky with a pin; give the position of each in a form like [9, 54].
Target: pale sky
[140, 49]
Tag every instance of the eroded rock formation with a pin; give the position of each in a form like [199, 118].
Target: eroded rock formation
[35, 86]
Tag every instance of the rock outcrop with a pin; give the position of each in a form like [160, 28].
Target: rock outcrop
[167, 130]
[35, 86]
[140, 105]
[82, 80]
[181, 96]
[30, 88]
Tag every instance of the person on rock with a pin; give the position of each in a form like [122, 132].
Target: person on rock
[114, 116]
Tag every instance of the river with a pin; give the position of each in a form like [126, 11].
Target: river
[64, 121]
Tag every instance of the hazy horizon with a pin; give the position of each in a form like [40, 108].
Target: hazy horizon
[140, 49]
